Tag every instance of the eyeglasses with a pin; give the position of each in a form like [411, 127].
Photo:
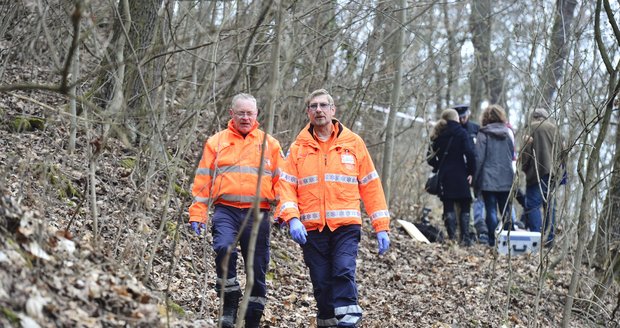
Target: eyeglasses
[244, 114]
[315, 106]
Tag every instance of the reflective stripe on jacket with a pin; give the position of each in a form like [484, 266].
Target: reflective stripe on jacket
[228, 171]
[325, 188]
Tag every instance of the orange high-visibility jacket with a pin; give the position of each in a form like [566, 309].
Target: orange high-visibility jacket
[228, 171]
[325, 188]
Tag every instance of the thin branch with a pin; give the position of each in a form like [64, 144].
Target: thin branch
[246, 49]
[599, 40]
[172, 52]
[75, 18]
[612, 20]
[28, 86]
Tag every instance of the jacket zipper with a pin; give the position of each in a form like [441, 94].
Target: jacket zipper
[322, 191]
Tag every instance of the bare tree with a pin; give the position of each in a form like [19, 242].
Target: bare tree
[480, 25]
[136, 26]
[487, 79]
[553, 69]
[397, 55]
[588, 180]
[162, 73]
[606, 240]
[453, 54]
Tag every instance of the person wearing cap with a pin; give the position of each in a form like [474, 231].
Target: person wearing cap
[477, 204]
[540, 163]
[471, 127]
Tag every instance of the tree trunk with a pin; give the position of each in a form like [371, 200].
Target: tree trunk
[397, 55]
[143, 77]
[606, 241]
[257, 217]
[553, 70]
[319, 43]
[607, 232]
[75, 71]
[274, 84]
[480, 25]
[583, 228]
[454, 57]
[136, 22]
[103, 88]
[487, 81]
[246, 50]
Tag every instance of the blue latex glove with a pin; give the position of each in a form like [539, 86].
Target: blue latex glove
[298, 231]
[196, 226]
[384, 242]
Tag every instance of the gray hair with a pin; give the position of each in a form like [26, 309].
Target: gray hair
[540, 113]
[242, 96]
[317, 93]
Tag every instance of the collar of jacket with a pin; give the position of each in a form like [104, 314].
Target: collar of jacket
[231, 127]
[497, 129]
[451, 128]
[542, 124]
[310, 129]
[344, 138]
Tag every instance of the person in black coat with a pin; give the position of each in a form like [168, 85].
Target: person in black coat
[478, 205]
[452, 154]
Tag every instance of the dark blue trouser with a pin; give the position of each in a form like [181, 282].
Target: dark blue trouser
[330, 256]
[226, 224]
[494, 202]
[478, 207]
[535, 200]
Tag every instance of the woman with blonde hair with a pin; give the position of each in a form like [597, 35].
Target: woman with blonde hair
[494, 175]
[452, 154]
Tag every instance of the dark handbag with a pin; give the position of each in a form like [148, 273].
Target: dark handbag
[433, 183]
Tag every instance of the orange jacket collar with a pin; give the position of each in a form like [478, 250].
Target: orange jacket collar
[307, 133]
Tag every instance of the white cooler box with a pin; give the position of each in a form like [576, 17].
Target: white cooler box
[521, 242]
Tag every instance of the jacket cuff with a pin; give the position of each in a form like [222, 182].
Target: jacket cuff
[289, 214]
[382, 225]
[197, 219]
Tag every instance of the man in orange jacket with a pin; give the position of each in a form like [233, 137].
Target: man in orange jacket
[327, 171]
[227, 177]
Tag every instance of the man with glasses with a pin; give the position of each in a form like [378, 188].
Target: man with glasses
[226, 179]
[327, 172]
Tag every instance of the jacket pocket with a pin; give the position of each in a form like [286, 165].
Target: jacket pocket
[308, 180]
[343, 175]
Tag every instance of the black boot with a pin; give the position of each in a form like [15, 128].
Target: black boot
[252, 318]
[231, 304]
[450, 223]
[464, 223]
[482, 232]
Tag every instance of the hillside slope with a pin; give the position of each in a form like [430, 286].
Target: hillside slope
[56, 274]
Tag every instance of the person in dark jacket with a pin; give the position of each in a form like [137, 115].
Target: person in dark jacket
[494, 174]
[542, 165]
[452, 156]
[472, 129]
